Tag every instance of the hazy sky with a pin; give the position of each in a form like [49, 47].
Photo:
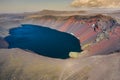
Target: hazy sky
[34, 5]
[37, 5]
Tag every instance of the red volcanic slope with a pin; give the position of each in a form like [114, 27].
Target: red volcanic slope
[103, 36]
[81, 27]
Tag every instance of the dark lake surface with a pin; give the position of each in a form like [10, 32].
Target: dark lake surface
[42, 40]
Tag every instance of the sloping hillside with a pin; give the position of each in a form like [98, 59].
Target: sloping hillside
[99, 35]
[17, 64]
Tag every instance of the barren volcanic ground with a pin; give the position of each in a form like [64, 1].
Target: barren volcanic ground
[97, 34]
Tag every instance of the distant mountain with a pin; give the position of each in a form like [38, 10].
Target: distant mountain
[53, 12]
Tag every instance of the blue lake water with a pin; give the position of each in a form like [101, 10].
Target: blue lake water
[42, 40]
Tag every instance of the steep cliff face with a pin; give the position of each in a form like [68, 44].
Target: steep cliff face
[97, 33]
[93, 30]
